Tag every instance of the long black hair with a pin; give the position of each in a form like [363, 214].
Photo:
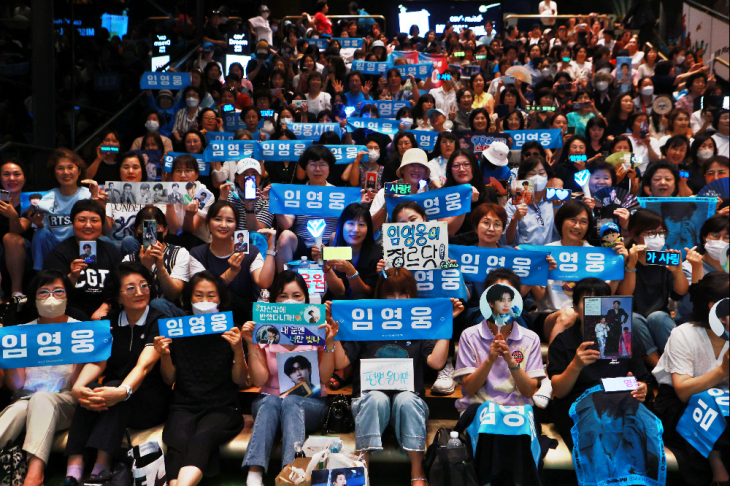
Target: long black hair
[353, 212]
[486, 194]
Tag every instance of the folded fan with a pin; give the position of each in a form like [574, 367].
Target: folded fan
[716, 188]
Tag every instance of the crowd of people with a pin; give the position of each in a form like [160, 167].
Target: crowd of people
[655, 129]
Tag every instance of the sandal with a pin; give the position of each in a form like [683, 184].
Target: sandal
[420, 479]
[336, 382]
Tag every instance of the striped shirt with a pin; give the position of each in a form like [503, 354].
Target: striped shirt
[261, 210]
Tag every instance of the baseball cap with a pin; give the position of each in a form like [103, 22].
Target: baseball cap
[248, 163]
[377, 43]
[433, 111]
[208, 46]
[497, 154]
[163, 92]
[609, 226]
[413, 156]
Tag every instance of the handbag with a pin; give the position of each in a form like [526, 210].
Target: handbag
[339, 416]
[149, 464]
[120, 474]
[14, 464]
[448, 467]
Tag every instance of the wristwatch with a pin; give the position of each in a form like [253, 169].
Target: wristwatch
[515, 368]
[271, 252]
[129, 391]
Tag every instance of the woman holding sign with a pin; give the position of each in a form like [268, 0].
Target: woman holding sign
[695, 360]
[132, 393]
[295, 415]
[207, 370]
[42, 399]
[532, 223]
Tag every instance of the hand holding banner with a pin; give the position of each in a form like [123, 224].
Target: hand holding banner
[441, 203]
[380, 125]
[549, 139]
[576, 262]
[170, 157]
[312, 131]
[229, 150]
[199, 325]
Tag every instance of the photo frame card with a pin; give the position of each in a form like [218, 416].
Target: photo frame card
[241, 241]
[87, 251]
[607, 323]
[298, 373]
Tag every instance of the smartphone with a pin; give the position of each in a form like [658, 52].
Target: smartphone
[578, 158]
[275, 91]
[298, 103]
[571, 130]
[566, 59]
[397, 188]
[644, 130]
[576, 106]
[480, 57]
[266, 113]
[109, 149]
[508, 79]
[445, 77]
[371, 180]
[149, 233]
[4, 195]
[663, 258]
[228, 108]
[249, 188]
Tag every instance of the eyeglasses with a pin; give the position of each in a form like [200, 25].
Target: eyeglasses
[654, 233]
[184, 171]
[317, 165]
[84, 221]
[404, 144]
[43, 294]
[132, 289]
[717, 236]
[457, 167]
[495, 225]
[580, 222]
[449, 142]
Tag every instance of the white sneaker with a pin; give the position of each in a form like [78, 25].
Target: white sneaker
[445, 384]
[544, 394]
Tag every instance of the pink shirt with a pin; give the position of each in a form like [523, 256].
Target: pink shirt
[271, 387]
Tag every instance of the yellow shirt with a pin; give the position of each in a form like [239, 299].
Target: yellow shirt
[481, 101]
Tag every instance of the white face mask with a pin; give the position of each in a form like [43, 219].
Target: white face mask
[655, 243]
[602, 85]
[374, 155]
[705, 154]
[192, 102]
[205, 308]
[407, 122]
[647, 90]
[152, 125]
[51, 307]
[680, 59]
[716, 248]
[540, 182]
[287, 121]
[268, 128]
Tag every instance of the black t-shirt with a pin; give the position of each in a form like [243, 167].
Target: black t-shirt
[107, 172]
[88, 293]
[367, 263]
[654, 287]
[127, 346]
[617, 126]
[213, 33]
[419, 351]
[280, 174]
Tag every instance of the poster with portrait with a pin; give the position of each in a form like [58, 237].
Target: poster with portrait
[152, 163]
[87, 251]
[522, 191]
[351, 476]
[31, 202]
[720, 318]
[478, 142]
[501, 304]
[623, 74]
[240, 241]
[298, 374]
[607, 323]
[684, 217]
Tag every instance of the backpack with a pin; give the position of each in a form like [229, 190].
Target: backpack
[448, 467]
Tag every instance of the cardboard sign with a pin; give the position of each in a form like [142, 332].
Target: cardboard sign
[387, 374]
[416, 246]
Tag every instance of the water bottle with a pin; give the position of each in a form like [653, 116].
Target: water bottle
[304, 264]
[264, 296]
[298, 452]
[454, 441]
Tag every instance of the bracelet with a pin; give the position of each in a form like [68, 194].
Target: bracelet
[250, 212]
[328, 351]
[515, 368]
[354, 275]
[629, 271]
[255, 354]
[271, 252]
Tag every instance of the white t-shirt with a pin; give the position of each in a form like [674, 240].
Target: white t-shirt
[559, 294]
[262, 28]
[643, 151]
[688, 352]
[180, 265]
[636, 59]
[322, 102]
[696, 121]
[721, 141]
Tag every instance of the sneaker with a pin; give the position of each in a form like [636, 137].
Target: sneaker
[445, 384]
[544, 394]
[71, 481]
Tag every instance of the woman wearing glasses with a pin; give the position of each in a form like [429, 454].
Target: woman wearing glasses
[42, 401]
[132, 392]
[187, 222]
[462, 168]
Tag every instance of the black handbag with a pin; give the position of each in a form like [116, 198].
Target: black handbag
[448, 467]
[14, 464]
[339, 416]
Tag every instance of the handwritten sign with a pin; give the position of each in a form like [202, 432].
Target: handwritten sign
[387, 374]
[199, 325]
[34, 345]
[416, 246]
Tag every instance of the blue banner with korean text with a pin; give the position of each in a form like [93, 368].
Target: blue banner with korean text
[199, 325]
[441, 203]
[349, 42]
[32, 345]
[502, 420]
[421, 71]
[576, 263]
[432, 284]
[203, 167]
[705, 419]
[475, 263]
[393, 319]
[366, 67]
[387, 108]
[164, 80]
[232, 122]
[229, 150]
[380, 125]
[218, 136]
[281, 150]
[299, 200]
[549, 139]
[312, 131]
[346, 154]
[684, 217]
[320, 43]
[426, 139]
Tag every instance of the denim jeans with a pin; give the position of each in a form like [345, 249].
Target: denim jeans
[373, 411]
[297, 416]
[44, 241]
[168, 308]
[653, 331]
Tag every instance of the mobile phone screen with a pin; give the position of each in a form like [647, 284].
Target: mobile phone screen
[578, 158]
[109, 149]
[662, 258]
[571, 130]
[249, 187]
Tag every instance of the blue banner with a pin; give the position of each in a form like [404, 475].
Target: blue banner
[447, 282]
[426, 139]
[34, 345]
[289, 334]
[230, 150]
[440, 203]
[393, 319]
[281, 150]
[199, 325]
[549, 139]
[232, 121]
[349, 42]
[380, 125]
[476, 263]
[421, 71]
[388, 108]
[702, 422]
[320, 43]
[370, 67]
[302, 200]
[616, 441]
[312, 131]
[165, 80]
[501, 420]
[684, 217]
[218, 136]
[576, 262]
[346, 154]
[203, 167]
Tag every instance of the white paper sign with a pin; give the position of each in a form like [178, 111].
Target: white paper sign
[626, 383]
[416, 246]
[386, 374]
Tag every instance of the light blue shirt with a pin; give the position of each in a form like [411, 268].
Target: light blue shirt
[58, 218]
[537, 227]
